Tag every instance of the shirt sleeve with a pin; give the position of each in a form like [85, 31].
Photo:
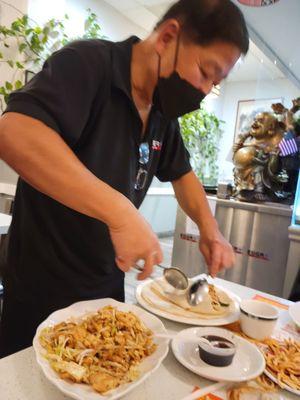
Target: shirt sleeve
[62, 93]
[174, 159]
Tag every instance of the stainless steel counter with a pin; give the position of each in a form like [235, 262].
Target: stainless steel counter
[259, 235]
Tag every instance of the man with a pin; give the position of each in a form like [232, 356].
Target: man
[87, 134]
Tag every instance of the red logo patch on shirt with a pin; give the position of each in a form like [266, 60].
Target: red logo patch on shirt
[156, 145]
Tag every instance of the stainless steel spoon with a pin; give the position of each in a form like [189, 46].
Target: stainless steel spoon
[192, 339]
[174, 276]
[197, 291]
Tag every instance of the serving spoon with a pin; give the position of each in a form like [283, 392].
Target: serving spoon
[197, 291]
[174, 276]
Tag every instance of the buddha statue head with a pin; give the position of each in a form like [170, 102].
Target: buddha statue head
[264, 125]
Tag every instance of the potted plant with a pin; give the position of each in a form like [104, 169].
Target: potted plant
[201, 132]
[25, 46]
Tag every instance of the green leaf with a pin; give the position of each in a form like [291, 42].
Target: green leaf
[1, 55]
[18, 84]
[2, 91]
[16, 26]
[8, 86]
[22, 47]
[25, 20]
[10, 63]
[46, 30]
[19, 65]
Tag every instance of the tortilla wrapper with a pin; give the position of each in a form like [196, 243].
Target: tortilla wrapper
[157, 295]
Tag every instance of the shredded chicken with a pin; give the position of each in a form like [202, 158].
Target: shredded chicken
[102, 350]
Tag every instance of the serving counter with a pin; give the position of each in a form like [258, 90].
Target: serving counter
[259, 235]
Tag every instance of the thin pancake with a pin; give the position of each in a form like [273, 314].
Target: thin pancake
[158, 296]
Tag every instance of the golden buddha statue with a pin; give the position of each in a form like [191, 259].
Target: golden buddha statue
[257, 172]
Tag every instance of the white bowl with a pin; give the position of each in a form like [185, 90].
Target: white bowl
[294, 312]
[258, 319]
[216, 356]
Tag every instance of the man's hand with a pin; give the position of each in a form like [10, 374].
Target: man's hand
[218, 253]
[191, 196]
[134, 240]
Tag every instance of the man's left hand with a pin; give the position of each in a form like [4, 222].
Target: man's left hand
[217, 251]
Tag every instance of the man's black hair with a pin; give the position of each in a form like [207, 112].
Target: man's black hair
[206, 21]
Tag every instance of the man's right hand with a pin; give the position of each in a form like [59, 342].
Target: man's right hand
[134, 240]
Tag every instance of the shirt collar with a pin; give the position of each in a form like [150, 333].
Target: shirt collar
[121, 64]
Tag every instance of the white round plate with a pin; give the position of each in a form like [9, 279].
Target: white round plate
[248, 362]
[294, 312]
[228, 319]
[86, 392]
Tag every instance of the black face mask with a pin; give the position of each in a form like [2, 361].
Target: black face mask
[175, 96]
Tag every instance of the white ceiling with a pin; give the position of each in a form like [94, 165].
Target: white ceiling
[278, 26]
[275, 28]
[158, 8]
[255, 67]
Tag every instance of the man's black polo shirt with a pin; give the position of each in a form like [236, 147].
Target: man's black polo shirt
[84, 94]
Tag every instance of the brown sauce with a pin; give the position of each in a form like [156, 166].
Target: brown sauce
[219, 342]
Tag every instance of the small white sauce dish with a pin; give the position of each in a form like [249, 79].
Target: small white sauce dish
[258, 319]
[219, 347]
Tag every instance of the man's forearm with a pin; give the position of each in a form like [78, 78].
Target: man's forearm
[192, 199]
[41, 157]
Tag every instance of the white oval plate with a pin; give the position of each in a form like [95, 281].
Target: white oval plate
[86, 392]
[228, 319]
[248, 362]
[294, 311]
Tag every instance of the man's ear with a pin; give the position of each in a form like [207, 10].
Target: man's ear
[167, 34]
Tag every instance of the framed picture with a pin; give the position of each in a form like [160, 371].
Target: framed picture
[28, 75]
[247, 110]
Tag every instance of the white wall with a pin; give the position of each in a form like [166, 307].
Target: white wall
[160, 212]
[7, 16]
[226, 109]
[115, 26]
